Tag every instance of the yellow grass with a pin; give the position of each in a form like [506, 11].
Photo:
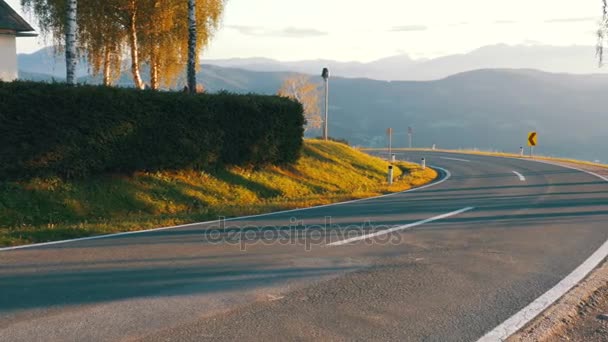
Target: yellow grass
[39, 210]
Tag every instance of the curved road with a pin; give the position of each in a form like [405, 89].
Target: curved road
[446, 263]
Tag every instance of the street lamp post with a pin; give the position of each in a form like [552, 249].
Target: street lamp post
[410, 133]
[325, 76]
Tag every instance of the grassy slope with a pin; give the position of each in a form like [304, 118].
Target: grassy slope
[40, 210]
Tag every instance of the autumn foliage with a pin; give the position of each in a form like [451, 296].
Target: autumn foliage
[141, 32]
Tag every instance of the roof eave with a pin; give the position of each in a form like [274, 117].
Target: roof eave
[26, 34]
[17, 22]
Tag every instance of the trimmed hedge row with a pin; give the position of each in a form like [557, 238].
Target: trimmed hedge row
[55, 129]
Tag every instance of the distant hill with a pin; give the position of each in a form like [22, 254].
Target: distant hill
[46, 61]
[380, 69]
[38, 77]
[490, 109]
[571, 59]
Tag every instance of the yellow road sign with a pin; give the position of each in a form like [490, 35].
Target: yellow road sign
[532, 139]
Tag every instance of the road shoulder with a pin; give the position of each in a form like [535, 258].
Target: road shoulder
[574, 317]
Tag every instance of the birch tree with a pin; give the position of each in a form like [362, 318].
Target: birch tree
[192, 40]
[301, 89]
[203, 20]
[58, 18]
[166, 35]
[102, 37]
[71, 56]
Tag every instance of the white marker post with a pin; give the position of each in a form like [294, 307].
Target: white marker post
[393, 158]
[390, 175]
[423, 164]
[521, 151]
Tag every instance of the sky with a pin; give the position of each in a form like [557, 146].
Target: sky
[357, 30]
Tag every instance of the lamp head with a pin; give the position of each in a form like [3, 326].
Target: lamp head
[325, 73]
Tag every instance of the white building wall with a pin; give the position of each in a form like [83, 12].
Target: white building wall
[8, 57]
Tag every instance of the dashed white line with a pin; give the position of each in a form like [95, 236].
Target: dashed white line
[456, 159]
[407, 226]
[521, 177]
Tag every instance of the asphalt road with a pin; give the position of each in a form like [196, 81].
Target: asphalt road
[435, 277]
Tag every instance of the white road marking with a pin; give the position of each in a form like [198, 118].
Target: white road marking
[407, 226]
[521, 177]
[530, 312]
[457, 159]
[572, 168]
[447, 173]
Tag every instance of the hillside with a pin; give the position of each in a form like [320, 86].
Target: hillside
[46, 209]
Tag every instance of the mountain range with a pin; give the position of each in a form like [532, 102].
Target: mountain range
[568, 59]
[571, 59]
[488, 109]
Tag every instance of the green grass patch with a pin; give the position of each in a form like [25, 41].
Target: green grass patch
[52, 208]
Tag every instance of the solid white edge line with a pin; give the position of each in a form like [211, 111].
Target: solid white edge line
[407, 226]
[571, 168]
[530, 312]
[456, 159]
[527, 314]
[447, 173]
[521, 177]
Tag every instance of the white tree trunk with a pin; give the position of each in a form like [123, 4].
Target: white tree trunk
[134, 46]
[106, 67]
[70, 43]
[192, 55]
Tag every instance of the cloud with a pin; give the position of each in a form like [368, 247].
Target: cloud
[505, 22]
[302, 32]
[290, 32]
[570, 20]
[409, 28]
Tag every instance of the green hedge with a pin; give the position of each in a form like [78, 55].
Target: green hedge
[54, 129]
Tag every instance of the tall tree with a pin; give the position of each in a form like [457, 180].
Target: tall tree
[165, 35]
[207, 19]
[102, 37]
[160, 41]
[132, 14]
[58, 18]
[192, 42]
[71, 56]
[301, 89]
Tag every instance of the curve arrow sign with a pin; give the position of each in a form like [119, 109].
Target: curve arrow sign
[532, 139]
